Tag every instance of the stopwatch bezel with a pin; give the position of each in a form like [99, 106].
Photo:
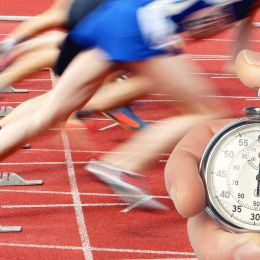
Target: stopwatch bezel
[208, 152]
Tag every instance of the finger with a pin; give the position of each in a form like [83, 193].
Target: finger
[205, 235]
[182, 177]
[247, 66]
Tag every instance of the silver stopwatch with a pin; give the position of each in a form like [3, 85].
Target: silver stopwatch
[230, 168]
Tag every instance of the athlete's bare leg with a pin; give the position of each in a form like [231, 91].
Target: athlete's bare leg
[34, 55]
[172, 75]
[54, 17]
[113, 95]
[67, 96]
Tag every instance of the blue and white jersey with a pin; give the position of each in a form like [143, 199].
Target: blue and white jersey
[199, 18]
[135, 30]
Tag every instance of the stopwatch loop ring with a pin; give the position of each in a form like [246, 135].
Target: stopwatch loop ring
[252, 112]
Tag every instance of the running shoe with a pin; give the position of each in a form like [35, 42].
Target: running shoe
[131, 186]
[126, 118]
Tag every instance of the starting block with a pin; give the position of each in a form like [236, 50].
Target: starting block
[4, 229]
[10, 89]
[5, 110]
[13, 179]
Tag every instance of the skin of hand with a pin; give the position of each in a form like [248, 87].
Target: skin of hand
[208, 240]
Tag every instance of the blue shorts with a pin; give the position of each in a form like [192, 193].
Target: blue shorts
[113, 27]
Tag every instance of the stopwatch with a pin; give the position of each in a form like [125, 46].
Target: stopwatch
[230, 169]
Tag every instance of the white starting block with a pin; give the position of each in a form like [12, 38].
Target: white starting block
[13, 179]
[4, 229]
[5, 110]
[10, 89]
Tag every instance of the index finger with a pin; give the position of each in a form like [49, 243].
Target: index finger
[182, 176]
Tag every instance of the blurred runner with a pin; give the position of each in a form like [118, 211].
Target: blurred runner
[21, 57]
[142, 37]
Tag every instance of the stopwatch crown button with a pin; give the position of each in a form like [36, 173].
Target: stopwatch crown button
[252, 112]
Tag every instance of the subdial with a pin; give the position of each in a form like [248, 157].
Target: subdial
[253, 154]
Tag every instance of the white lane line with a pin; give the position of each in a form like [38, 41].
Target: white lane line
[85, 151]
[80, 193]
[76, 199]
[253, 99]
[41, 246]
[108, 127]
[30, 206]
[39, 163]
[159, 252]
[75, 193]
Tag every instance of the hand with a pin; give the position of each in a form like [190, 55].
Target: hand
[183, 182]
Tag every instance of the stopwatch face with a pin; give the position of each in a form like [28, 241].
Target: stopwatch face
[231, 170]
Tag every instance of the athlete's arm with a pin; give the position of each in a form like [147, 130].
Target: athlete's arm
[55, 16]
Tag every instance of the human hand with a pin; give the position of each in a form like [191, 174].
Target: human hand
[183, 182]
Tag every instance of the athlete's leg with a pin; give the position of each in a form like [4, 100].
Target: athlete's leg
[25, 108]
[53, 38]
[34, 55]
[67, 96]
[173, 75]
[54, 17]
[25, 67]
[113, 95]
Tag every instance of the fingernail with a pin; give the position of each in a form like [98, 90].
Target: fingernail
[251, 58]
[248, 251]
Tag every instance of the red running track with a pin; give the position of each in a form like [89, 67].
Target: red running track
[73, 216]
